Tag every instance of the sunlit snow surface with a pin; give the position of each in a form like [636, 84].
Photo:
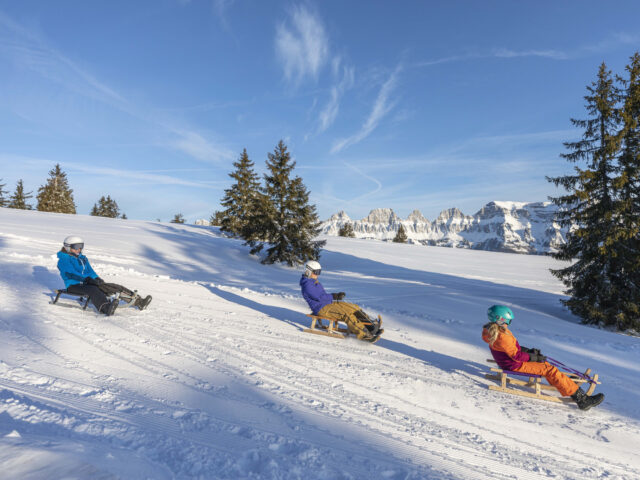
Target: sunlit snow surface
[217, 379]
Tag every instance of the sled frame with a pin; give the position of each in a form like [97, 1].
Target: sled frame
[534, 382]
[63, 291]
[333, 329]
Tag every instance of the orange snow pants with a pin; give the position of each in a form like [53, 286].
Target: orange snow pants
[345, 312]
[554, 376]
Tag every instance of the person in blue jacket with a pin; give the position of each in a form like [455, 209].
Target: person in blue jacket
[80, 278]
[331, 306]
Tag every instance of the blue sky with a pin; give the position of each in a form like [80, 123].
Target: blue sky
[400, 104]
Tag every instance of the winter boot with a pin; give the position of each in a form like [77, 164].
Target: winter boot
[109, 308]
[142, 303]
[584, 401]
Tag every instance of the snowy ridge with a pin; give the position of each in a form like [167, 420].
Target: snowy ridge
[498, 226]
[217, 380]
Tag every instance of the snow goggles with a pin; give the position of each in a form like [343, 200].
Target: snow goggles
[315, 272]
[76, 246]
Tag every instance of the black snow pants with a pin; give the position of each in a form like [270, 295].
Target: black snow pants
[97, 297]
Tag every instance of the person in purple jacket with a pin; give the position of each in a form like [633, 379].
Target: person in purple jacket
[330, 306]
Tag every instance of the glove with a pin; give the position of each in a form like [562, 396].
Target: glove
[98, 281]
[537, 357]
[530, 350]
[93, 281]
[338, 296]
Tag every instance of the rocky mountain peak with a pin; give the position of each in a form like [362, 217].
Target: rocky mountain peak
[500, 226]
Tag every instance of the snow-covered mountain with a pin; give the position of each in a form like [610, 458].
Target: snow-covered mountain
[498, 226]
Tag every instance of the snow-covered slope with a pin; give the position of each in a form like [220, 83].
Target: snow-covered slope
[498, 226]
[217, 379]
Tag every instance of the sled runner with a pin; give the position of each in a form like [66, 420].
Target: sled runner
[534, 385]
[333, 328]
[83, 299]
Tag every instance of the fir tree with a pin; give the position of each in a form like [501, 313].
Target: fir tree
[106, 207]
[590, 209]
[3, 201]
[19, 198]
[628, 186]
[346, 230]
[401, 236]
[178, 218]
[56, 196]
[216, 218]
[283, 216]
[240, 200]
[124, 216]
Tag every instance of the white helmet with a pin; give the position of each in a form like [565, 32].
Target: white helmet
[312, 267]
[73, 241]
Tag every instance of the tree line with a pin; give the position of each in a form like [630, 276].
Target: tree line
[56, 196]
[601, 206]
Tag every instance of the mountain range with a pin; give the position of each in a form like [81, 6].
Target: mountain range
[515, 227]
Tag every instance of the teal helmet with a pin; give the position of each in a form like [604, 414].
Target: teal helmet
[500, 314]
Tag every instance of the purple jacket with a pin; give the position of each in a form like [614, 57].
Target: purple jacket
[314, 294]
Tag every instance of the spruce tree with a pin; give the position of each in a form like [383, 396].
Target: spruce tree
[178, 218]
[106, 207]
[55, 195]
[239, 200]
[124, 216]
[401, 236]
[590, 210]
[283, 216]
[3, 201]
[19, 198]
[346, 230]
[216, 218]
[628, 185]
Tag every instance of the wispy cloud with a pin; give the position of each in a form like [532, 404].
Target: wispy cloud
[613, 41]
[147, 177]
[196, 146]
[220, 9]
[381, 107]
[495, 53]
[509, 53]
[302, 45]
[31, 50]
[346, 75]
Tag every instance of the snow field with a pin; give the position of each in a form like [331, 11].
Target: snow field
[217, 380]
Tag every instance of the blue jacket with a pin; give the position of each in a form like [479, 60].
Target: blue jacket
[314, 294]
[74, 270]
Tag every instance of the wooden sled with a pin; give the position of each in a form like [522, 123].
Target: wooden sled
[534, 383]
[333, 328]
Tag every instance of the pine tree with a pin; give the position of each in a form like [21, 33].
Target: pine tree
[240, 200]
[106, 207]
[178, 218]
[591, 211]
[346, 230]
[628, 186]
[56, 196]
[19, 198]
[3, 201]
[216, 218]
[124, 216]
[401, 236]
[284, 218]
